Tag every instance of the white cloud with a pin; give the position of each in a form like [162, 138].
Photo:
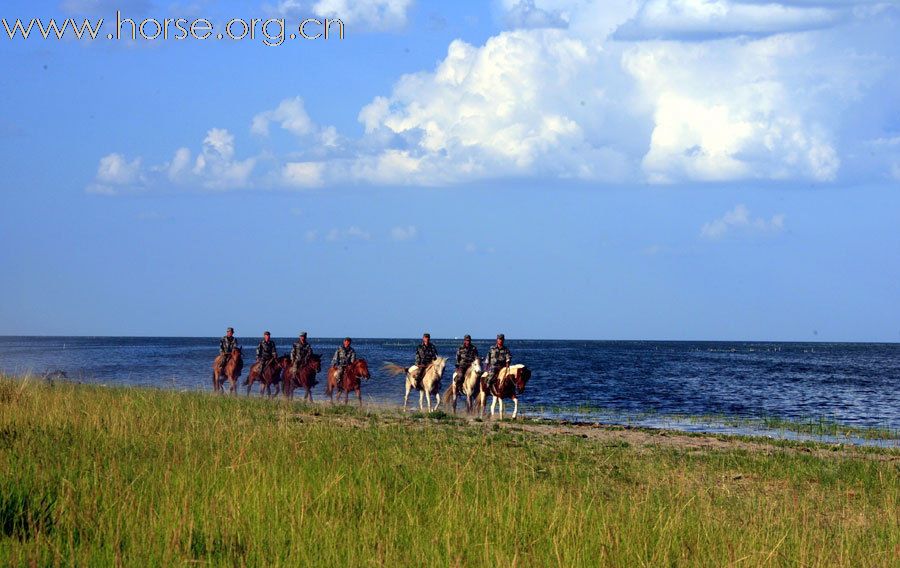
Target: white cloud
[731, 110]
[289, 115]
[115, 169]
[404, 233]
[717, 18]
[360, 15]
[738, 220]
[303, 174]
[574, 104]
[216, 168]
[179, 164]
[115, 173]
[733, 90]
[527, 102]
[350, 234]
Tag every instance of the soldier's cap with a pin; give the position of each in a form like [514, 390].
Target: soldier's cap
[428, 335]
[347, 339]
[302, 334]
[501, 336]
[469, 337]
[267, 333]
[231, 329]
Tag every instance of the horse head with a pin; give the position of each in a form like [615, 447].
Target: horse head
[362, 368]
[521, 377]
[476, 366]
[316, 362]
[439, 365]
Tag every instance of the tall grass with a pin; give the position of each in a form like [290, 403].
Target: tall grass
[98, 476]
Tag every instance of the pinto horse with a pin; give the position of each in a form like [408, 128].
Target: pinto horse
[304, 377]
[350, 381]
[431, 381]
[469, 386]
[269, 376]
[231, 371]
[510, 383]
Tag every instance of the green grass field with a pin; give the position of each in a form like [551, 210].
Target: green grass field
[97, 476]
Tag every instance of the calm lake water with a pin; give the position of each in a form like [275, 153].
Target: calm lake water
[633, 381]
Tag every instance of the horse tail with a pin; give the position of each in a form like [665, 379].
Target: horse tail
[393, 369]
[447, 392]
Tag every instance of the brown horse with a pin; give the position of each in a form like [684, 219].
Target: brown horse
[232, 370]
[510, 383]
[269, 376]
[304, 377]
[350, 381]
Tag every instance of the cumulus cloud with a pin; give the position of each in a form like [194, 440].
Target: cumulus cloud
[116, 173]
[582, 103]
[362, 15]
[303, 174]
[404, 233]
[215, 167]
[527, 102]
[716, 121]
[738, 220]
[289, 115]
[658, 91]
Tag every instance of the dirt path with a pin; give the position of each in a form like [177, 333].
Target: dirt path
[615, 434]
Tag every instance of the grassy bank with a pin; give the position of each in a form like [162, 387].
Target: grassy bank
[93, 475]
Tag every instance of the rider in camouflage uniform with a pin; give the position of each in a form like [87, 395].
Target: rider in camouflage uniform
[226, 346]
[300, 352]
[344, 356]
[425, 355]
[266, 352]
[497, 358]
[465, 356]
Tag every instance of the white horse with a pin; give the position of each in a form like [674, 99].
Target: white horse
[431, 381]
[470, 387]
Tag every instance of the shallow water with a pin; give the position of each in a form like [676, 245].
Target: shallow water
[852, 384]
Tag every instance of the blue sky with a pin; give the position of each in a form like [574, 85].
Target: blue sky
[659, 169]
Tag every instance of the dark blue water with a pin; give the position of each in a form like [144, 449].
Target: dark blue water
[855, 384]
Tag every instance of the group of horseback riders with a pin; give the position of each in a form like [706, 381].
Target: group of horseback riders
[301, 352]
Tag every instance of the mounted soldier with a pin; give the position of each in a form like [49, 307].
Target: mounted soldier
[227, 344]
[266, 352]
[425, 355]
[344, 356]
[465, 356]
[300, 352]
[498, 358]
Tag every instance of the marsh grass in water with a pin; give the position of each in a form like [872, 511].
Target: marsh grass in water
[98, 476]
[820, 426]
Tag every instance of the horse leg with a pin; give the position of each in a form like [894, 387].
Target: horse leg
[501, 407]
[515, 408]
[493, 405]
[359, 395]
[421, 400]
[437, 399]
[406, 396]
